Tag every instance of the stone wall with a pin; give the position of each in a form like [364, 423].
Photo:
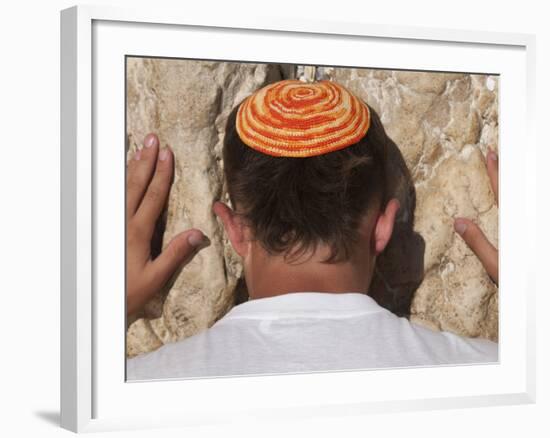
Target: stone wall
[441, 126]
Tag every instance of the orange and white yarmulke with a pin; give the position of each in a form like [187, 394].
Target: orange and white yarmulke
[291, 118]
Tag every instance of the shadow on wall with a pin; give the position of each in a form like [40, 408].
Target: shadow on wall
[400, 268]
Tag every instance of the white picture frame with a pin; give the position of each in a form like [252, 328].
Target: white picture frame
[93, 395]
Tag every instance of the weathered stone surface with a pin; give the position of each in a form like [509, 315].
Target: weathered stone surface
[186, 103]
[441, 126]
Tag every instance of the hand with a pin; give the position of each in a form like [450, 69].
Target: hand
[149, 177]
[473, 236]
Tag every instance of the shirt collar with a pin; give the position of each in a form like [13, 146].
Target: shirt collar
[308, 304]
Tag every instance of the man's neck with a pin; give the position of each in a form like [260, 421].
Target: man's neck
[269, 276]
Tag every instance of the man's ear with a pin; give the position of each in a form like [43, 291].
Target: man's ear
[383, 228]
[234, 227]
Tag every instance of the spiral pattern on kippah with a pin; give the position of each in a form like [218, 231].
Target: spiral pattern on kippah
[291, 118]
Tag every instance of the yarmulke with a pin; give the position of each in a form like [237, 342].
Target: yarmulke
[291, 118]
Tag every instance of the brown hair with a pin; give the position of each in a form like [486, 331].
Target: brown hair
[294, 204]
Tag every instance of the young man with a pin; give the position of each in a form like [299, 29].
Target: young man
[305, 170]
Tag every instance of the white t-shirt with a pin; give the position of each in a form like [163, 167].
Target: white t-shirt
[305, 332]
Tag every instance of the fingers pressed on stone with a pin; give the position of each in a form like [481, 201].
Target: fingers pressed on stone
[180, 251]
[479, 244]
[156, 195]
[140, 172]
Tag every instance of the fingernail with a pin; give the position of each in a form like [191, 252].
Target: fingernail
[198, 240]
[150, 140]
[493, 156]
[137, 155]
[163, 154]
[460, 226]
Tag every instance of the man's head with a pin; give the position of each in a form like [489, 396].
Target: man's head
[332, 208]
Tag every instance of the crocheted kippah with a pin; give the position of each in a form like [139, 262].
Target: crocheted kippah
[291, 118]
